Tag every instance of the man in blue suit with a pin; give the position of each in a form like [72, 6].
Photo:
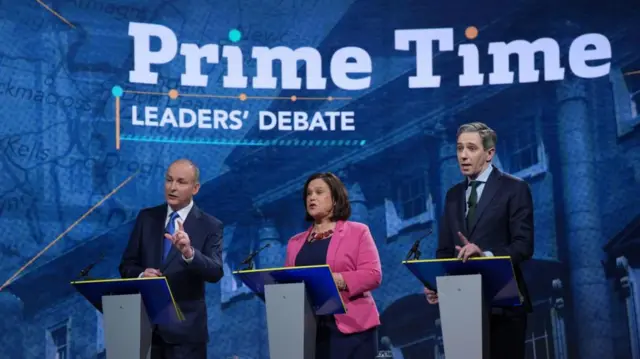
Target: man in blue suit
[182, 243]
[490, 213]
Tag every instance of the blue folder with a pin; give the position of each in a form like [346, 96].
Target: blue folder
[156, 295]
[498, 278]
[321, 289]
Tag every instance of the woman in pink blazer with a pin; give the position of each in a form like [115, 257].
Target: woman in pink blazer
[350, 251]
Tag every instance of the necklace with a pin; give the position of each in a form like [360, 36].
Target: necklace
[322, 235]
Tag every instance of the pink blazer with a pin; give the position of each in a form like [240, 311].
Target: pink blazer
[352, 253]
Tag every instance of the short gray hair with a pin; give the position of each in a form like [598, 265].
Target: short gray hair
[196, 170]
[488, 136]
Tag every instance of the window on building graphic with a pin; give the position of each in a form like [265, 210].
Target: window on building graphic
[427, 347]
[58, 341]
[625, 85]
[520, 147]
[539, 347]
[412, 196]
[412, 206]
[539, 342]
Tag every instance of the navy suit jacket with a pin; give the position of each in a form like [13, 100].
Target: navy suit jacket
[187, 280]
[503, 225]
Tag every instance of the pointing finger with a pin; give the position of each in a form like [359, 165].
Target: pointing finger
[180, 225]
[463, 238]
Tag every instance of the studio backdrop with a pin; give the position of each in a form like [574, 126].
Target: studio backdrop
[260, 94]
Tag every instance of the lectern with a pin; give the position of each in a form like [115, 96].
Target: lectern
[294, 296]
[466, 292]
[129, 307]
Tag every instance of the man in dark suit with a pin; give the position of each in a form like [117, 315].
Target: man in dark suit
[182, 243]
[490, 213]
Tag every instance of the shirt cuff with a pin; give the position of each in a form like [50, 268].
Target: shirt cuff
[189, 260]
[488, 254]
[140, 275]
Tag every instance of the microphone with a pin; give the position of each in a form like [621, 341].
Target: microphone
[85, 272]
[249, 259]
[415, 249]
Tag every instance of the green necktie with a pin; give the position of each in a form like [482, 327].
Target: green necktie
[473, 203]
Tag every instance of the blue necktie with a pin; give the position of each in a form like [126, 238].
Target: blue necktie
[171, 230]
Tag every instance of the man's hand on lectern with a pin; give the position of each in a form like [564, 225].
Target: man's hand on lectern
[151, 272]
[468, 250]
[432, 297]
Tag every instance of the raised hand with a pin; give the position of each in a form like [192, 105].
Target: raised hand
[181, 240]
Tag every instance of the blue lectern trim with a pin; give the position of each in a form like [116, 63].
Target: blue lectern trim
[281, 268]
[83, 287]
[503, 288]
[458, 260]
[323, 293]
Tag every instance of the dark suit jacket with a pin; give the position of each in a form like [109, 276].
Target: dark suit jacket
[187, 281]
[504, 222]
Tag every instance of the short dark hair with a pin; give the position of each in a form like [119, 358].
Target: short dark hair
[487, 135]
[342, 209]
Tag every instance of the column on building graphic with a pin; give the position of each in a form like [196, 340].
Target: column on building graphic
[230, 285]
[11, 331]
[558, 320]
[582, 221]
[447, 174]
[273, 255]
[629, 293]
[359, 208]
[447, 165]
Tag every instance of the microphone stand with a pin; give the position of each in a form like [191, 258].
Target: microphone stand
[415, 249]
[249, 260]
[84, 273]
